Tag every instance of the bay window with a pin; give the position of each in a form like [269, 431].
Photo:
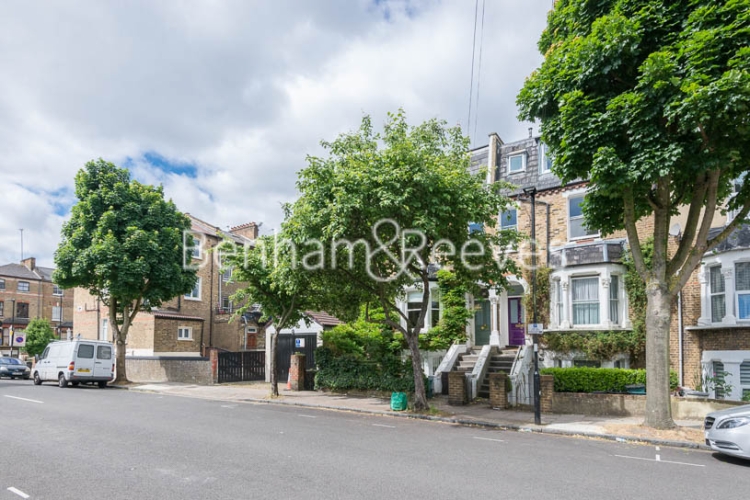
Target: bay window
[585, 300]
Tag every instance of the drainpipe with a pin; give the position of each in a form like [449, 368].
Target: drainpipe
[211, 303]
[679, 336]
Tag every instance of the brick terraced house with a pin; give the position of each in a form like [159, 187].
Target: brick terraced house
[711, 322]
[186, 325]
[27, 292]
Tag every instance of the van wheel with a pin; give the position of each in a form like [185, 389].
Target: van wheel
[102, 384]
[37, 380]
[74, 384]
[61, 381]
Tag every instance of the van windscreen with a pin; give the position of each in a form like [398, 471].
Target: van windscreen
[104, 352]
[86, 351]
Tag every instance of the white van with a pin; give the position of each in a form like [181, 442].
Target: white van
[76, 361]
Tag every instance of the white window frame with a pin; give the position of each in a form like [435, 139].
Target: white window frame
[523, 162]
[192, 295]
[614, 298]
[104, 331]
[57, 291]
[226, 304]
[578, 217]
[712, 294]
[502, 218]
[2, 284]
[57, 317]
[738, 292]
[226, 276]
[543, 156]
[573, 302]
[28, 286]
[559, 303]
[185, 333]
[2, 310]
[429, 321]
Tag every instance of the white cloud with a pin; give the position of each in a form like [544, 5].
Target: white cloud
[242, 90]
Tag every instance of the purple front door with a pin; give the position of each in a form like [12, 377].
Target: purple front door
[516, 327]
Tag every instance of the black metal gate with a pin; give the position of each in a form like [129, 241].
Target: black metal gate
[242, 366]
[288, 346]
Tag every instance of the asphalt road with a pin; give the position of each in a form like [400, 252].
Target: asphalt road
[89, 443]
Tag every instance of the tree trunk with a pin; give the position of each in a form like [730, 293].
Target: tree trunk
[420, 396]
[274, 367]
[121, 375]
[658, 320]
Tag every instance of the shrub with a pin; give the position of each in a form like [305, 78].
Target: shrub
[599, 379]
[39, 333]
[362, 355]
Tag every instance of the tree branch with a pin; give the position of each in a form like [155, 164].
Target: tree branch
[686, 243]
[635, 244]
[701, 241]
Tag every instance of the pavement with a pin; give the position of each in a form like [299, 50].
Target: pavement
[687, 434]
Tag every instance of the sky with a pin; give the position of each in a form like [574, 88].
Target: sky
[221, 101]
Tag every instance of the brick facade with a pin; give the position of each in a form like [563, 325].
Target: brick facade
[208, 315]
[30, 288]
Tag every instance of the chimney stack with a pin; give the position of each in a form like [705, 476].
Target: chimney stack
[248, 230]
[29, 263]
[531, 132]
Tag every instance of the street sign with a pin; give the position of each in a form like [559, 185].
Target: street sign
[536, 329]
[299, 343]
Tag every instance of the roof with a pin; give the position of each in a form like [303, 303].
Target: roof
[200, 226]
[23, 272]
[737, 240]
[531, 176]
[169, 315]
[323, 318]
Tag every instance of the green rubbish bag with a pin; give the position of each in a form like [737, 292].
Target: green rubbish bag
[398, 401]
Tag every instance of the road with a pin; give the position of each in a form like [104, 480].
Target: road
[86, 443]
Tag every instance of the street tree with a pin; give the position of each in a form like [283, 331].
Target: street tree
[124, 243]
[382, 210]
[39, 333]
[650, 102]
[272, 281]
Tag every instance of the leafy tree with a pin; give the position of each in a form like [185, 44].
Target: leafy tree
[381, 208]
[124, 244]
[649, 101]
[282, 290]
[39, 333]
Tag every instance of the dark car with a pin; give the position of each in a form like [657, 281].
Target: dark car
[13, 368]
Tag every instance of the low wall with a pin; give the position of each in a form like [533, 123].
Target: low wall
[623, 405]
[191, 370]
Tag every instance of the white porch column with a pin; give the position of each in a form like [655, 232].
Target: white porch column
[494, 311]
[705, 318]
[729, 318]
[604, 282]
[565, 320]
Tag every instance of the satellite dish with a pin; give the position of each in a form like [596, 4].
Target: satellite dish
[675, 230]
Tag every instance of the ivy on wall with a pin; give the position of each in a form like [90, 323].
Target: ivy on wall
[542, 294]
[452, 325]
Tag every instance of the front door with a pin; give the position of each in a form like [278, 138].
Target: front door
[516, 330]
[482, 323]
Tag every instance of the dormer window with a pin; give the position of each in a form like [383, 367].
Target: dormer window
[517, 163]
[545, 160]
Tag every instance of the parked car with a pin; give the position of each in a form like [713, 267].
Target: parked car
[76, 361]
[13, 368]
[728, 431]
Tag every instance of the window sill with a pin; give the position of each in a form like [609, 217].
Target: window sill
[184, 340]
[194, 299]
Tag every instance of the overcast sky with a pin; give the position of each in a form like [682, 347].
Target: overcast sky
[220, 101]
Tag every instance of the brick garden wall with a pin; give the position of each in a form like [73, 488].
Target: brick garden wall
[153, 369]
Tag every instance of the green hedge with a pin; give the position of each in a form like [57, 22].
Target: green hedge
[348, 372]
[599, 379]
[362, 355]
